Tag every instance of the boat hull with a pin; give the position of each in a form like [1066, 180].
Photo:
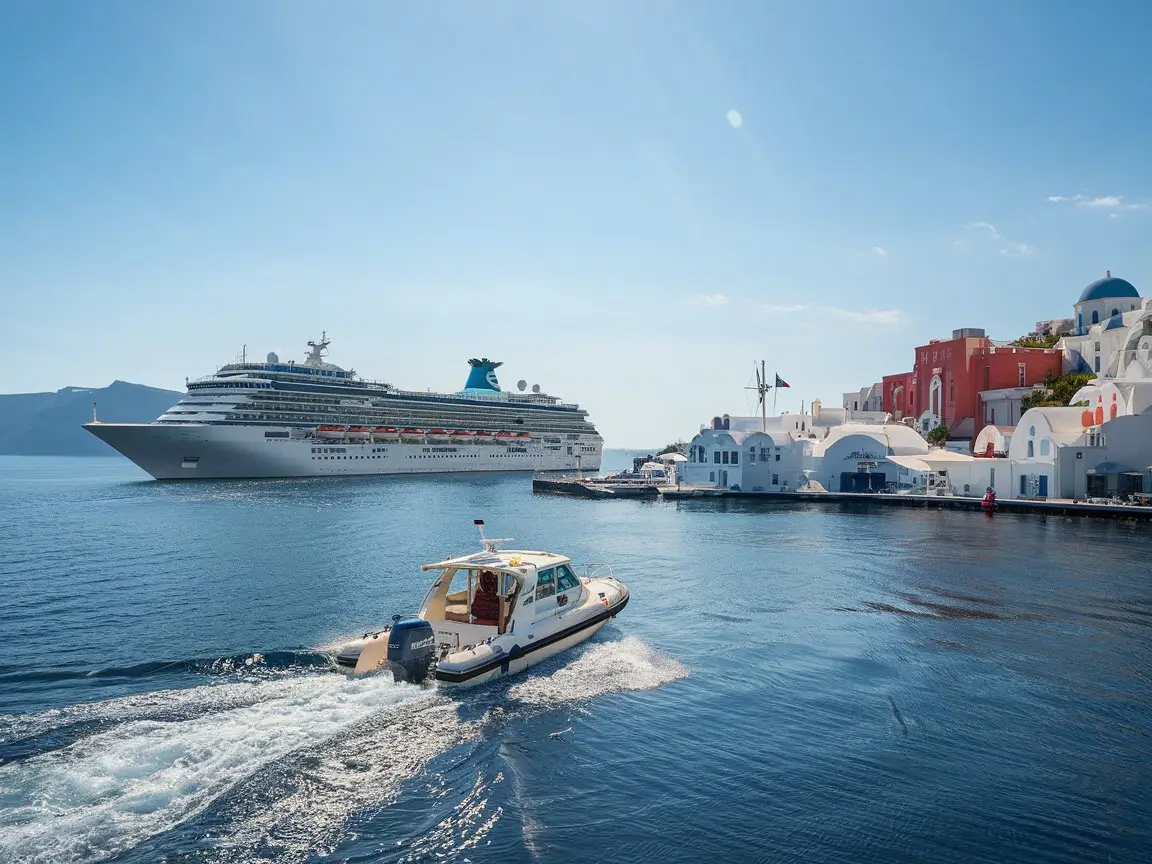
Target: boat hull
[170, 451]
[532, 653]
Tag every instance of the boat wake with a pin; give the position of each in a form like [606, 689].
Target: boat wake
[279, 767]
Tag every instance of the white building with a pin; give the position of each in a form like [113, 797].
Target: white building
[1105, 313]
[795, 449]
[867, 400]
[1101, 444]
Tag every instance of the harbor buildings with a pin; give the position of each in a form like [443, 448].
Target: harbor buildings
[967, 382]
[1099, 445]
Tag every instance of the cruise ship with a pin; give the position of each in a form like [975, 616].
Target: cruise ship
[288, 419]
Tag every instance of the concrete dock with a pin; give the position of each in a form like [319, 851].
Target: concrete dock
[1049, 506]
[588, 487]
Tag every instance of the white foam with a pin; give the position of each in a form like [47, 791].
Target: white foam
[167, 704]
[360, 769]
[337, 748]
[605, 667]
[107, 792]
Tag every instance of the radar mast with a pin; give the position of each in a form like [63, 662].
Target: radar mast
[319, 349]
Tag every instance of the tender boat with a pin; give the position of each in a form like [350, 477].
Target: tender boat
[493, 613]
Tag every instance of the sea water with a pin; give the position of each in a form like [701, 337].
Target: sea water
[788, 683]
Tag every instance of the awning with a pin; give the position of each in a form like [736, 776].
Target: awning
[1111, 468]
[912, 463]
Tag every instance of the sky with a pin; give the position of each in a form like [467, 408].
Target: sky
[627, 203]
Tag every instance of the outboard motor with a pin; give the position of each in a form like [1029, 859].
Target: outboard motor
[411, 647]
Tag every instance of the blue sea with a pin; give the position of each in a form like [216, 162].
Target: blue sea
[790, 683]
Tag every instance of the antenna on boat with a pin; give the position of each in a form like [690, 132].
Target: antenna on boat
[94, 420]
[489, 545]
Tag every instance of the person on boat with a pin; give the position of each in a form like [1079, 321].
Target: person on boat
[989, 498]
[486, 601]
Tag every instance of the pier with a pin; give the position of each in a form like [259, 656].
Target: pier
[590, 488]
[593, 488]
[1049, 506]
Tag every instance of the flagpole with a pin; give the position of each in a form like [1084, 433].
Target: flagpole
[774, 390]
[763, 404]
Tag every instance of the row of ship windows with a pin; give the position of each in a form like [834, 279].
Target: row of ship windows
[363, 420]
[391, 405]
[335, 404]
[425, 456]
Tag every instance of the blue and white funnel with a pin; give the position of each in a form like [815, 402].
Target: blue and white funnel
[483, 375]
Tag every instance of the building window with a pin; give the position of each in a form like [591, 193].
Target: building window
[1021, 375]
[855, 406]
[1096, 365]
[777, 457]
[1031, 450]
[752, 456]
[735, 457]
[1096, 317]
[951, 389]
[775, 479]
[724, 458]
[1097, 346]
[716, 457]
[1115, 312]
[1045, 446]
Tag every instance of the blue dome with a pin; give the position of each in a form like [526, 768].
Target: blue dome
[1107, 288]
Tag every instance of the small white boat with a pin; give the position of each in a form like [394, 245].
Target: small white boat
[493, 613]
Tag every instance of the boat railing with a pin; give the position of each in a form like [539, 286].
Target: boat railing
[599, 571]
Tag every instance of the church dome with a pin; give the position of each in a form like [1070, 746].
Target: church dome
[1108, 288]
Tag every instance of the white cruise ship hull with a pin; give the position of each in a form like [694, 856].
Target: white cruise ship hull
[170, 451]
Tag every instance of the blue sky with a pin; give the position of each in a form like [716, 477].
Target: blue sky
[561, 186]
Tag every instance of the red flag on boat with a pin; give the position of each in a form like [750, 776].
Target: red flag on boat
[780, 382]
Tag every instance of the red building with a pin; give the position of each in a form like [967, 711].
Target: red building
[964, 381]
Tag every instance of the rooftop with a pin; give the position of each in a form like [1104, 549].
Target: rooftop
[1108, 287]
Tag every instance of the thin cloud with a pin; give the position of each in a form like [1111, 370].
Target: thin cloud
[883, 317]
[1105, 202]
[879, 317]
[709, 300]
[1009, 249]
[984, 226]
[879, 251]
[1017, 250]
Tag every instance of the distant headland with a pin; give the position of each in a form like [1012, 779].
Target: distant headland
[49, 424]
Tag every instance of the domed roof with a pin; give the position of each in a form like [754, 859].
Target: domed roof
[1107, 288]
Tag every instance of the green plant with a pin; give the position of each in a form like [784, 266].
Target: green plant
[678, 447]
[1036, 340]
[938, 436]
[1056, 392]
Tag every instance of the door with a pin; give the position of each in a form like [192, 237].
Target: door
[568, 589]
[1043, 485]
[545, 602]
[723, 480]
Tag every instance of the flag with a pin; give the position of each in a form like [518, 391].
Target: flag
[780, 382]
